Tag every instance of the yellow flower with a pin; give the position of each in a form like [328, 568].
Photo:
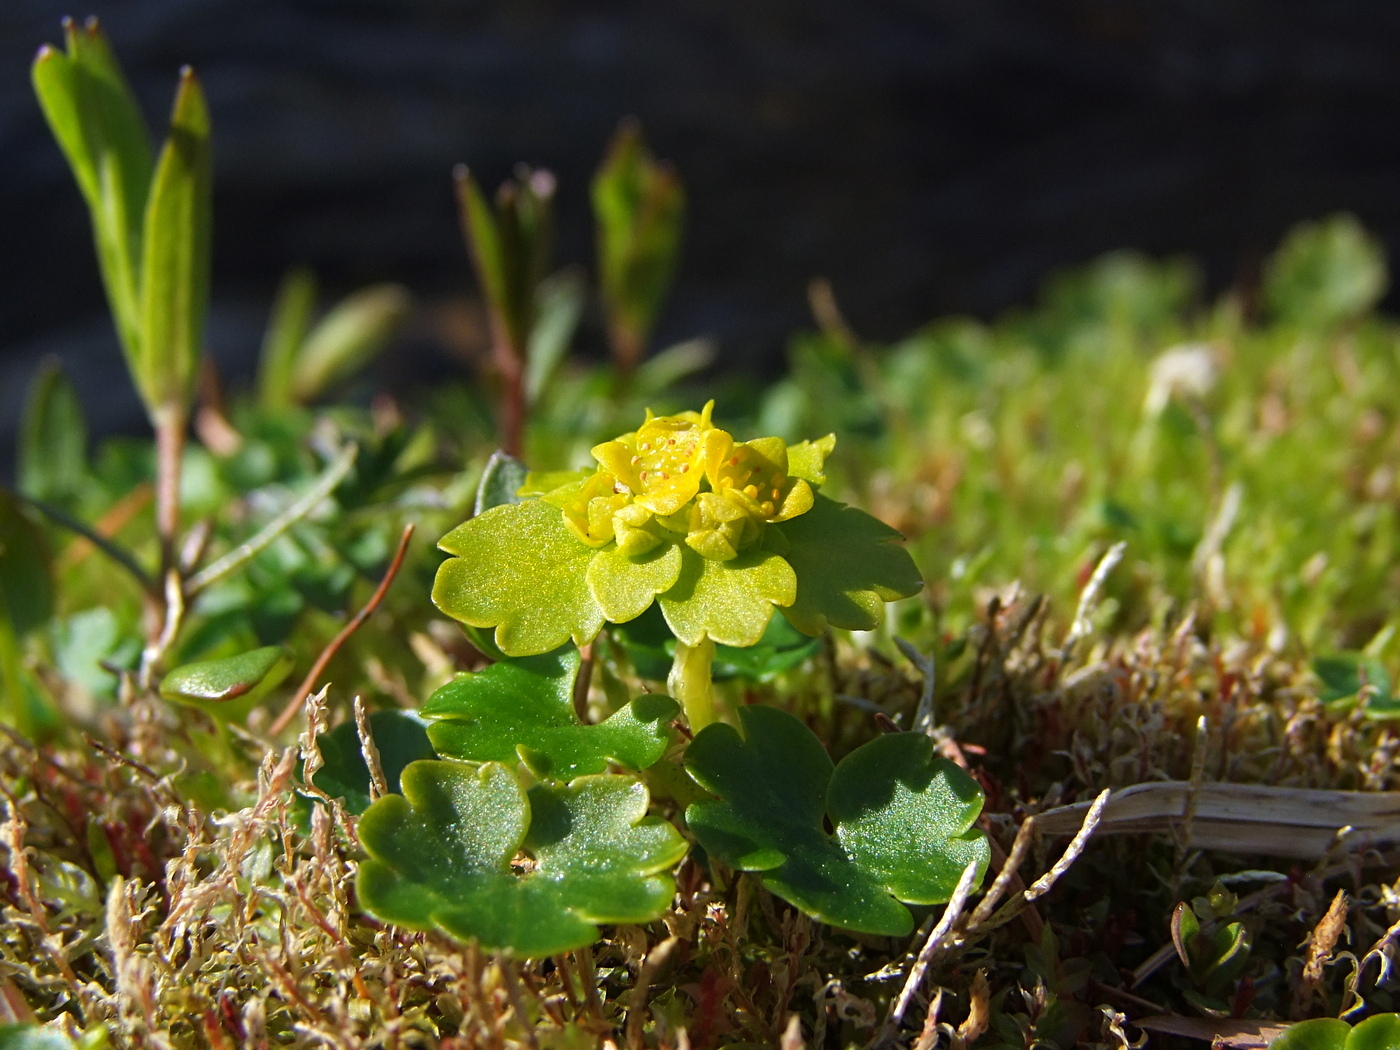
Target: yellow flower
[662, 463]
[755, 476]
[589, 507]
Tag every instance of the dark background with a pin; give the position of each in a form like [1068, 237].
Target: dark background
[926, 157]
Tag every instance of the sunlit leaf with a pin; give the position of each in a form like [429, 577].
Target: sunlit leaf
[230, 687]
[440, 856]
[519, 569]
[348, 337]
[175, 256]
[523, 710]
[902, 819]
[847, 564]
[730, 601]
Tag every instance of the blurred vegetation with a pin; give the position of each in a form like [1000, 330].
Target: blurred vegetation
[176, 875]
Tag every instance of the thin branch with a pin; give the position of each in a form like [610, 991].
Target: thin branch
[923, 714]
[1089, 598]
[249, 549]
[309, 682]
[1042, 885]
[936, 938]
[117, 553]
[1007, 875]
[378, 783]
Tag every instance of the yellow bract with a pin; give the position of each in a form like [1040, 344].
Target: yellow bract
[683, 478]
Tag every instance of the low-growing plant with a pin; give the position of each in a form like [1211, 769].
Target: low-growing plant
[657, 779]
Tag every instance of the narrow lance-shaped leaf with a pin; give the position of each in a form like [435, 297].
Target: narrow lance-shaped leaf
[230, 687]
[286, 331]
[483, 238]
[638, 204]
[98, 125]
[175, 257]
[356, 329]
[52, 461]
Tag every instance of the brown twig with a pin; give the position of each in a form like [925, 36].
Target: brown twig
[328, 653]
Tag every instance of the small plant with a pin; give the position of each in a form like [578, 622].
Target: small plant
[717, 532]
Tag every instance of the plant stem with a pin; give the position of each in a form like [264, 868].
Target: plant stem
[690, 684]
[246, 551]
[170, 425]
[12, 677]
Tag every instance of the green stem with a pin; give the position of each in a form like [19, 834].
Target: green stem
[248, 550]
[690, 684]
[12, 678]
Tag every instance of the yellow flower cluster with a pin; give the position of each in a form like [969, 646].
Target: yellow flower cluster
[683, 478]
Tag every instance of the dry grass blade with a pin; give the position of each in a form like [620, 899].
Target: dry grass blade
[1244, 818]
[937, 938]
[1241, 1035]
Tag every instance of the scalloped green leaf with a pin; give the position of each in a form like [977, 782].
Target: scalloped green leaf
[807, 459]
[400, 737]
[625, 587]
[730, 601]
[1323, 1033]
[903, 819]
[440, 856]
[523, 709]
[231, 687]
[519, 569]
[1381, 1032]
[847, 565]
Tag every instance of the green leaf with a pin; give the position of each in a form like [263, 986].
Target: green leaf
[520, 570]
[1344, 675]
[558, 306]
[440, 856]
[52, 461]
[230, 687]
[807, 459]
[626, 586]
[639, 206]
[523, 709]
[347, 338]
[781, 648]
[1381, 1032]
[26, 583]
[95, 119]
[175, 257]
[400, 737]
[730, 601]
[1324, 1033]
[509, 247]
[36, 1037]
[903, 819]
[286, 331]
[651, 647]
[847, 564]
[501, 482]
[1326, 273]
